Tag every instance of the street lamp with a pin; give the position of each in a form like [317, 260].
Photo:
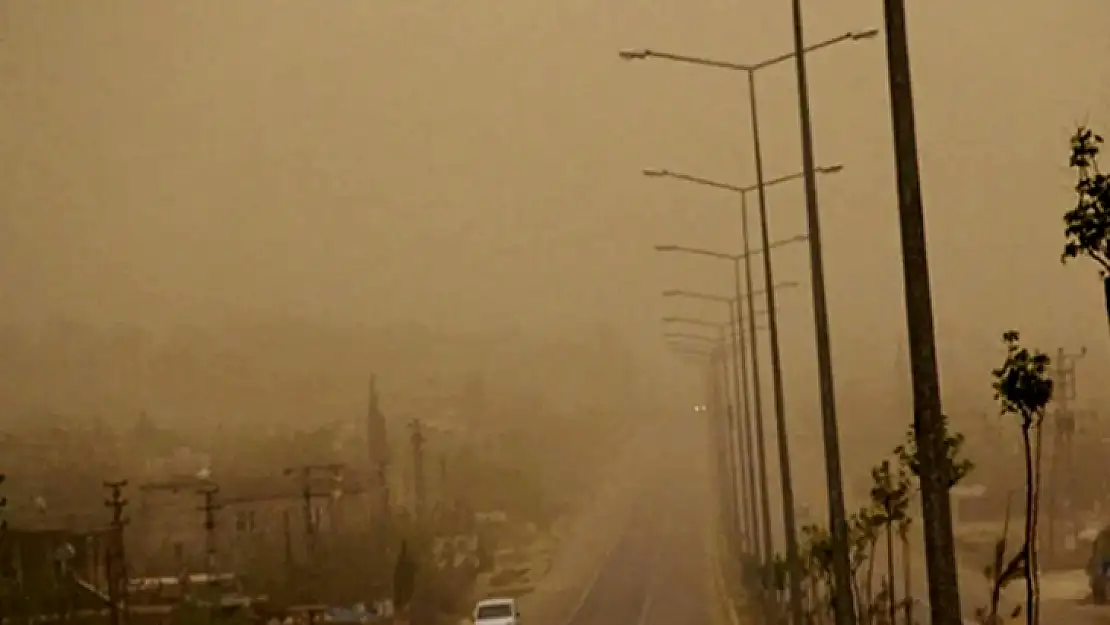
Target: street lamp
[768, 275]
[658, 172]
[636, 54]
[845, 613]
[741, 434]
[708, 324]
[697, 251]
[753, 413]
[780, 417]
[719, 430]
[743, 487]
[744, 498]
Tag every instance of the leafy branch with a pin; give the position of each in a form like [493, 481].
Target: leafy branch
[1087, 225]
[887, 516]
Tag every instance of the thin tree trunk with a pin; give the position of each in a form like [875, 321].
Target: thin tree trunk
[1034, 556]
[907, 573]
[1030, 510]
[865, 603]
[1106, 294]
[891, 595]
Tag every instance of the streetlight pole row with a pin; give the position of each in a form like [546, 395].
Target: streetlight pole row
[743, 492]
[785, 474]
[837, 517]
[755, 448]
[721, 431]
[737, 498]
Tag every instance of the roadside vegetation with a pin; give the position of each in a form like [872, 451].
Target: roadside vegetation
[1023, 388]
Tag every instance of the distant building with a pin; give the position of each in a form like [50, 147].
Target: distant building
[260, 524]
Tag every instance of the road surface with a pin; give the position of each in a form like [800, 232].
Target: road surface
[658, 566]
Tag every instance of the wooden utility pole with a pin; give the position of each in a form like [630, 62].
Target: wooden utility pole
[208, 491]
[418, 439]
[117, 562]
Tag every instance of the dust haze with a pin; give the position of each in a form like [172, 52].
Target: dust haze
[220, 219]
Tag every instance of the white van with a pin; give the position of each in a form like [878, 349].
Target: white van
[497, 611]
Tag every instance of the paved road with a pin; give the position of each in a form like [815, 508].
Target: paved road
[656, 569]
[660, 571]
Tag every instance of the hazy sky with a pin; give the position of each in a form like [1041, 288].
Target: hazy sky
[476, 163]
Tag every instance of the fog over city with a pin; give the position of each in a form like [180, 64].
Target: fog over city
[221, 218]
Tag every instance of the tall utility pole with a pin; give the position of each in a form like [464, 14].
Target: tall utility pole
[735, 520]
[208, 491]
[117, 561]
[417, 440]
[838, 519]
[718, 417]
[793, 560]
[738, 434]
[928, 421]
[1062, 469]
[737, 523]
[757, 402]
[745, 444]
[728, 422]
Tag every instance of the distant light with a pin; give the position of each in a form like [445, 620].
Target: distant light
[700, 408]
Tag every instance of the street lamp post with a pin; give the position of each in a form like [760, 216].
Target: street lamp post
[782, 434]
[845, 612]
[736, 445]
[715, 428]
[755, 471]
[760, 436]
[789, 521]
[753, 427]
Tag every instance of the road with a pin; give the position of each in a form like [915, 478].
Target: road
[658, 567]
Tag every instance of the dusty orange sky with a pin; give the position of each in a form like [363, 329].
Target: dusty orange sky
[476, 164]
